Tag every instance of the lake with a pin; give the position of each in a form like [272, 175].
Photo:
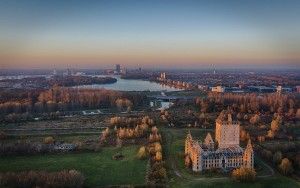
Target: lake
[131, 85]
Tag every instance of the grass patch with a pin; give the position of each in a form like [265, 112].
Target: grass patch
[274, 182]
[98, 168]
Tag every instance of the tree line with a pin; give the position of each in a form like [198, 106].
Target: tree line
[69, 99]
[287, 104]
[65, 178]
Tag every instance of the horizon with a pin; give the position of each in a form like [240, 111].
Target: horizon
[151, 35]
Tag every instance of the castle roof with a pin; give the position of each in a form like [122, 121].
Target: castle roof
[228, 152]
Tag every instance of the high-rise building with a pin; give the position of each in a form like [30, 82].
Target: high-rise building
[118, 68]
[163, 75]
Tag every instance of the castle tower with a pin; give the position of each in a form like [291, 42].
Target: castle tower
[196, 153]
[248, 158]
[188, 143]
[227, 131]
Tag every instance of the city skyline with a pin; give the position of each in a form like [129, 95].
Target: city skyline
[177, 34]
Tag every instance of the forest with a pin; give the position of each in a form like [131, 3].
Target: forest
[67, 99]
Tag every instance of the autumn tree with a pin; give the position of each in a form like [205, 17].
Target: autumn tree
[254, 119]
[158, 156]
[142, 153]
[243, 174]
[270, 134]
[298, 113]
[49, 140]
[277, 157]
[124, 103]
[275, 124]
[286, 166]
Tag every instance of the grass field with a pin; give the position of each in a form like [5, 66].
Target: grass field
[274, 182]
[174, 149]
[98, 168]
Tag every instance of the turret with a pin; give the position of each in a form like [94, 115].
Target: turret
[208, 141]
[188, 143]
[248, 158]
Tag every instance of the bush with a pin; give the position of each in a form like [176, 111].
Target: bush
[71, 178]
[286, 166]
[142, 154]
[277, 157]
[49, 140]
[244, 174]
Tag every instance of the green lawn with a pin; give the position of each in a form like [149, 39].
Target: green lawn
[99, 168]
[274, 182]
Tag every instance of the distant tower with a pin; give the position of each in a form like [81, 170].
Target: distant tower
[163, 75]
[118, 68]
[214, 68]
[69, 73]
[188, 143]
[248, 158]
[54, 72]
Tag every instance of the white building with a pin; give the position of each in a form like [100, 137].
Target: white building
[218, 89]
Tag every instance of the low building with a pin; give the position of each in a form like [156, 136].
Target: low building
[281, 89]
[261, 89]
[65, 147]
[218, 89]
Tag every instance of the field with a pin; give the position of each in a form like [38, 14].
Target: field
[65, 125]
[180, 176]
[98, 168]
[274, 182]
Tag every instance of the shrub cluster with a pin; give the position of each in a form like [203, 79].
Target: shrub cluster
[65, 178]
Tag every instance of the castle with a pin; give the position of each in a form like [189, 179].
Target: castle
[225, 153]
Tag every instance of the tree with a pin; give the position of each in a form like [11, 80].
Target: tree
[49, 140]
[298, 113]
[243, 174]
[142, 153]
[3, 135]
[277, 157]
[158, 156]
[157, 147]
[261, 138]
[255, 119]
[286, 166]
[275, 124]
[244, 135]
[270, 134]
[121, 103]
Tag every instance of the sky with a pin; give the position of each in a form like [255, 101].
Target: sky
[149, 34]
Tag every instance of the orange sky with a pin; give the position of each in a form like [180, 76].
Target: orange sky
[181, 34]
